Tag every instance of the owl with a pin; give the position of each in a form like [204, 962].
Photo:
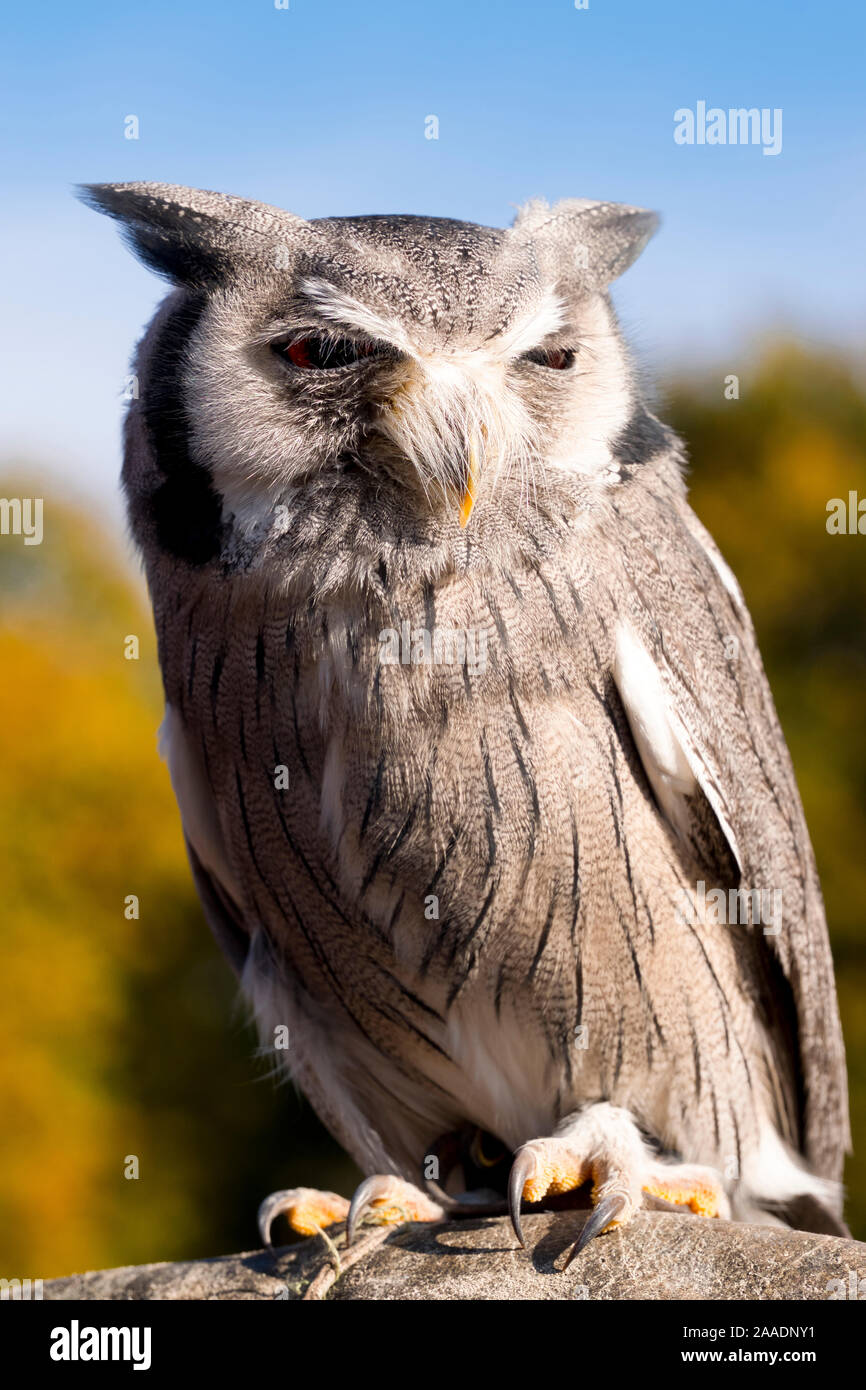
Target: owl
[483, 790]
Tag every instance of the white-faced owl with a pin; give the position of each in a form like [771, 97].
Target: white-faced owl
[482, 784]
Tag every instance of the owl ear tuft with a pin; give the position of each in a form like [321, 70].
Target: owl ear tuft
[591, 242]
[194, 237]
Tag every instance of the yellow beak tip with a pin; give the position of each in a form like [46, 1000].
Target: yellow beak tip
[467, 502]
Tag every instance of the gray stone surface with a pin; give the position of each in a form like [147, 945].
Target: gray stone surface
[659, 1256]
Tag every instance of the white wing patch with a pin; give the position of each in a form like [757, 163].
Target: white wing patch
[726, 574]
[646, 705]
[672, 762]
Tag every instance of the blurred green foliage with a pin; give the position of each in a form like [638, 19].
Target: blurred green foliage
[123, 1037]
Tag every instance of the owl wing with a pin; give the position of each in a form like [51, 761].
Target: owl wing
[692, 682]
[204, 841]
[222, 913]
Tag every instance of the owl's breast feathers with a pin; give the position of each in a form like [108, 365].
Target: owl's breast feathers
[466, 799]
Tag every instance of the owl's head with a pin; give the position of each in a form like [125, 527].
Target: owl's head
[442, 359]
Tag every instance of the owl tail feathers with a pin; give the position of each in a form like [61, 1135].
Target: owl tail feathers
[807, 1213]
[776, 1188]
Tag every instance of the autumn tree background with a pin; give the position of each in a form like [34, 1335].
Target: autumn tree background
[121, 1037]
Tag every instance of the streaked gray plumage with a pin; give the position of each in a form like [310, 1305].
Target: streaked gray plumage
[553, 803]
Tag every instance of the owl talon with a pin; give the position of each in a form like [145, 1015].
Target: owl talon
[392, 1201]
[521, 1171]
[602, 1143]
[604, 1214]
[306, 1209]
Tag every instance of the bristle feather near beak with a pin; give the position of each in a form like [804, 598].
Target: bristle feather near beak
[453, 421]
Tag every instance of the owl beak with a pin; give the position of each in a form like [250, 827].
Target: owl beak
[467, 501]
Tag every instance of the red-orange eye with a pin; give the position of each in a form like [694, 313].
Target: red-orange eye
[320, 354]
[299, 353]
[556, 359]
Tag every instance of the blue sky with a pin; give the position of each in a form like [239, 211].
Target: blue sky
[321, 108]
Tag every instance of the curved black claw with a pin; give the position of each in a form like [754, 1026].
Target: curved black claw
[521, 1169]
[606, 1211]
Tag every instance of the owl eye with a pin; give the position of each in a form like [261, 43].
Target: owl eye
[321, 354]
[557, 359]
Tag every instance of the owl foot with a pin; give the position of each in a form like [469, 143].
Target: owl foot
[604, 1144]
[306, 1209]
[389, 1201]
